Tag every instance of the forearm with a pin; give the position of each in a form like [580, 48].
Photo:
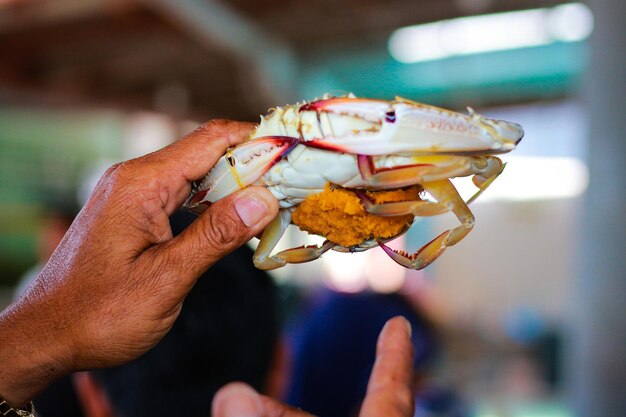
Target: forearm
[30, 359]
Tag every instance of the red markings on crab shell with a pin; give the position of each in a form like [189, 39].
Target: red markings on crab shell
[279, 156]
[367, 168]
[326, 104]
[198, 208]
[365, 199]
[312, 106]
[279, 146]
[366, 165]
[328, 146]
[287, 143]
[322, 104]
[456, 125]
[197, 197]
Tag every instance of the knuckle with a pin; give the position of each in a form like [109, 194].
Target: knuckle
[124, 174]
[112, 169]
[117, 171]
[213, 124]
[398, 396]
[112, 179]
[404, 397]
[222, 231]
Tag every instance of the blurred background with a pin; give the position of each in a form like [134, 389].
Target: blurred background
[529, 309]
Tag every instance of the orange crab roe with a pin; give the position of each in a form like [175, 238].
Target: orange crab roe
[337, 214]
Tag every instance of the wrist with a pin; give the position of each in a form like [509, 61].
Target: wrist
[30, 358]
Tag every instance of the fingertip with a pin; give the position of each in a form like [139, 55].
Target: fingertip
[268, 198]
[256, 207]
[191, 157]
[407, 324]
[234, 131]
[397, 326]
[237, 400]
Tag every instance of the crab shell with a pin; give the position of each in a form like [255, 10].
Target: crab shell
[359, 144]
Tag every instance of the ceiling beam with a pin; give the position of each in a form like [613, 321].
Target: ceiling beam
[27, 15]
[267, 63]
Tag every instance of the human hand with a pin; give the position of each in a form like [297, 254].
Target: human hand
[116, 283]
[389, 393]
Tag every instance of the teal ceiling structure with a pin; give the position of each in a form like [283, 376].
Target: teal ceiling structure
[534, 73]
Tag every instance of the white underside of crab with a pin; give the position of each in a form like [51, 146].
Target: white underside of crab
[306, 171]
[362, 144]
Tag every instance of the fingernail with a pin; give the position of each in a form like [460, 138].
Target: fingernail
[406, 323]
[239, 401]
[250, 210]
[409, 329]
[242, 407]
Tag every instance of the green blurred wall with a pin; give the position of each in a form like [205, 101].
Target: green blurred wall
[43, 154]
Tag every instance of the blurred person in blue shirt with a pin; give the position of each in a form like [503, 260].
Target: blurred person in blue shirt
[334, 352]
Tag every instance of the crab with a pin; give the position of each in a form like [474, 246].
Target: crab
[309, 153]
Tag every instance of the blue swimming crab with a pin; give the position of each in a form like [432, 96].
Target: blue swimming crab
[363, 146]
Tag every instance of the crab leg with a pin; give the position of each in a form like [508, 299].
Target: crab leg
[493, 167]
[445, 193]
[484, 180]
[403, 176]
[272, 234]
[420, 208]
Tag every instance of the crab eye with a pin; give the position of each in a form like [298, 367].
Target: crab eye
[390, 116]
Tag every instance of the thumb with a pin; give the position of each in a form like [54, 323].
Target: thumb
[223, 227]
[237, 400]
[240, 400]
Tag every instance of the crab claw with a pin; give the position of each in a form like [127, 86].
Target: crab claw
[423, 257]
[240, 167]
[404, 126]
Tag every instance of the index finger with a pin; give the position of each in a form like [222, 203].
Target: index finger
[195, 154]
[176, 166]
[390, 389]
